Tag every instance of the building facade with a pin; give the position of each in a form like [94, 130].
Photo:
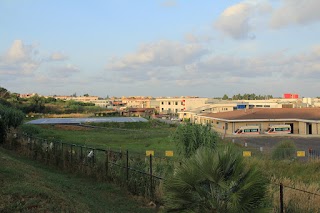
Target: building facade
[303, 121]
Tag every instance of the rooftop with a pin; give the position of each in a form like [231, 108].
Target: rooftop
[273, 113]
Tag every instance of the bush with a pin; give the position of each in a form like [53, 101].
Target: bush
[30, 130]
[286, 149]
[190, 137]
[9, 118]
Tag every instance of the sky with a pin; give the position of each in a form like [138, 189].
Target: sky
[160, 47]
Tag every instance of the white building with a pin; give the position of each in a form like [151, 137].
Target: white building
[179, 104]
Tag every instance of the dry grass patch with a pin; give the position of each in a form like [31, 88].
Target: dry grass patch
[296, 200]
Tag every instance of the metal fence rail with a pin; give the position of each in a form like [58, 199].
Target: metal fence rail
[139, 174]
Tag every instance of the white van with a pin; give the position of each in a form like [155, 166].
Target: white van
[251, 130]
[278, 129]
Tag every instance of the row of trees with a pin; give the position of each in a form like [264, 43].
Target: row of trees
[247, 97]
[40, 104]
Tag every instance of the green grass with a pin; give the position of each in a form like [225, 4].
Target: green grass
[134, 140]
[307, 172]
[28, 186]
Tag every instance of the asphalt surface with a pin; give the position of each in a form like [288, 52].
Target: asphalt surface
[269, 142]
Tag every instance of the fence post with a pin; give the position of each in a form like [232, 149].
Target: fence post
[281, 198]
[62, 155]
[107, 162]
[47, 152]
[151, 190]
[93, 156]
[127, 165]
[71, 155]
[81, 153]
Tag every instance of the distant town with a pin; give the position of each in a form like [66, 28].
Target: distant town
[225, 115]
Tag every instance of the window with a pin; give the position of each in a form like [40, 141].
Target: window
[266, 105]
[176, 103]
[246, 130]
[162, 103]
[254, 130]
[169, 103]
[282, 129]
[182, 103]
[258, 105]
[162, 109]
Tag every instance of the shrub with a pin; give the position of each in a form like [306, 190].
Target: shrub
[9, 118]
[286, 149]
[30, 130]
[190, 137]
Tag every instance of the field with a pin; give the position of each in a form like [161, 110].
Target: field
[136, 139]
[302, 175]
[29, 186]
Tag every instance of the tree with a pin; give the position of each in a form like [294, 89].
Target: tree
[37, 103]
[189, 137]
[215, 181]
[86, 95]
[4, 93]
[225, 97]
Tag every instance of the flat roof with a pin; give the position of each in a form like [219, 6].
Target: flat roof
[86, 120]
[271, 113]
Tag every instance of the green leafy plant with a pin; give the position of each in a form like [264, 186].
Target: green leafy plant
[216, 181]
[190, 137]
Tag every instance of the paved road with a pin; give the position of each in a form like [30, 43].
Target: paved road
[302, 142]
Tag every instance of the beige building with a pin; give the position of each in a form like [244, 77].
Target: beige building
[303, 121]
[137, 102]
[179, 104]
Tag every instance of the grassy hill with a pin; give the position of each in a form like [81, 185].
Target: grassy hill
[28, 186]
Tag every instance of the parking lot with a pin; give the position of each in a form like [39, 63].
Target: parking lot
[268, 142]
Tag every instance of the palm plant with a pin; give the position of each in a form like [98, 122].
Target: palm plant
[216, 181]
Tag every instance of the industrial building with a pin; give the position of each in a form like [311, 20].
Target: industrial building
[303, 121]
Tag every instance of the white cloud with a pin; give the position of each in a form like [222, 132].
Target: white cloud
[278, 65]
[179, 64]
[236, 20]
[57, 56]
[158, 54]
[169, 3]
[64, 71]
[20, 59]
[296, 12]
[192, 38]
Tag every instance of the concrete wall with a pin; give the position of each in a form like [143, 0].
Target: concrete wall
[228, 128]
[302, 128]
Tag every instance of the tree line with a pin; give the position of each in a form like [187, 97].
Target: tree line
[247, 97]
[40, 104]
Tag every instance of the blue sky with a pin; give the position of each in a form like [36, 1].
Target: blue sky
[160, 47]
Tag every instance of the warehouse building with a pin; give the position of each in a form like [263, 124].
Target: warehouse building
[303, 121]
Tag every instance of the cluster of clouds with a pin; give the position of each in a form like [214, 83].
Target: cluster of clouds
[240, 20]
[192, 63]
[24, 61]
